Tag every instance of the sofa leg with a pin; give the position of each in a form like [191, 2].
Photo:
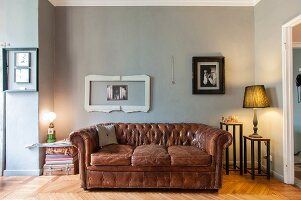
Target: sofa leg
[213, 190]
[83, 185]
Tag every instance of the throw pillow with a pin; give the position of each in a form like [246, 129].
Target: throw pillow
[106, 135]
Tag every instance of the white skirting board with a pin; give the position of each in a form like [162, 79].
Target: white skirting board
[35, 172]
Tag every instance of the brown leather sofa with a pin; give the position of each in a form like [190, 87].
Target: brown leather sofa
[179, 155]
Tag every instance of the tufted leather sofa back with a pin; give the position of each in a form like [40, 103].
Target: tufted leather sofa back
[162, 134]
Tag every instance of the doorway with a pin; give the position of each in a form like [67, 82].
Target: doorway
[288, 99]
[296, 38]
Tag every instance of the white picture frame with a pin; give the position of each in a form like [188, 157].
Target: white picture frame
[22, 75]
[109, 108]
[22, 59]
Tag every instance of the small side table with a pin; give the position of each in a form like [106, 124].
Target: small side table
[235, 167]
[59, 167]
[61, 143]
[259, 170]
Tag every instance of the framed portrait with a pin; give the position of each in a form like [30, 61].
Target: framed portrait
[208, 75]
[22, 75]
[117, 92]
[22, 59]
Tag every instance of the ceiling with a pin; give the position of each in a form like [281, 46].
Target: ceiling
[154, 2]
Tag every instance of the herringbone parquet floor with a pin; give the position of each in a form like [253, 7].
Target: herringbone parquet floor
[235, 187]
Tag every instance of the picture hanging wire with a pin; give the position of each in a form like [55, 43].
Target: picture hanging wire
[173, 70]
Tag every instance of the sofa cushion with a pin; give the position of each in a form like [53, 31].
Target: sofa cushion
[150, 155]
[114, 154]
[188, 156]
[106, 135]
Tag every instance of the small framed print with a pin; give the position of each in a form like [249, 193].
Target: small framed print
[117, 92]
[22, 59]
[22, 75]
[208, 75]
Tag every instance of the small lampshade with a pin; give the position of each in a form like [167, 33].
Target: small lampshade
[255, 97]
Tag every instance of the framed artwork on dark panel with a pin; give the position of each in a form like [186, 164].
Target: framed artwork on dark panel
[20, 69]
[208, 75]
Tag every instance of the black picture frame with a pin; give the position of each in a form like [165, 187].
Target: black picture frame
[208, 75]
[10, 83]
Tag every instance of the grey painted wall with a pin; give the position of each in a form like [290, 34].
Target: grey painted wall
[270, 15]
[141, 40]
[46, 67]
[21, 108]
[297, 106]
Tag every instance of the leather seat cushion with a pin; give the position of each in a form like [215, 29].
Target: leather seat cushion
[150, 155]
[189, 156]
[114, 154]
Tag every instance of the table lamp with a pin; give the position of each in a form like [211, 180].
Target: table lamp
[51, 132]
[255, 97]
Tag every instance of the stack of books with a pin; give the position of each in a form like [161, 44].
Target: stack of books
[61, 161]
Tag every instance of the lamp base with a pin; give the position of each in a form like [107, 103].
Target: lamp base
[51, 138]
[255, 122]
[255, 135]
[51, 133]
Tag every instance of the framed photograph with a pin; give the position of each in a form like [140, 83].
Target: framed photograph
[22, 59]
[208, 75]
[117, 92]
[22, 75]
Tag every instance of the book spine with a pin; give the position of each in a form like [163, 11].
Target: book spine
[71, 151]
[58, 159]
[58, 156]
[66, 169]
[59, 162]
[58, 166]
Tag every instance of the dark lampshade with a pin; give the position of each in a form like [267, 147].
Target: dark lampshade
[255, 97]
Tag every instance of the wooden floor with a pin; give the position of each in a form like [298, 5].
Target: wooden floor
[235, 187]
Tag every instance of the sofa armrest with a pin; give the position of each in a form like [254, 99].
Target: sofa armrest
[217, 140]
[86, 141]
[210, 139]
[214, 141]
[223, 142]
